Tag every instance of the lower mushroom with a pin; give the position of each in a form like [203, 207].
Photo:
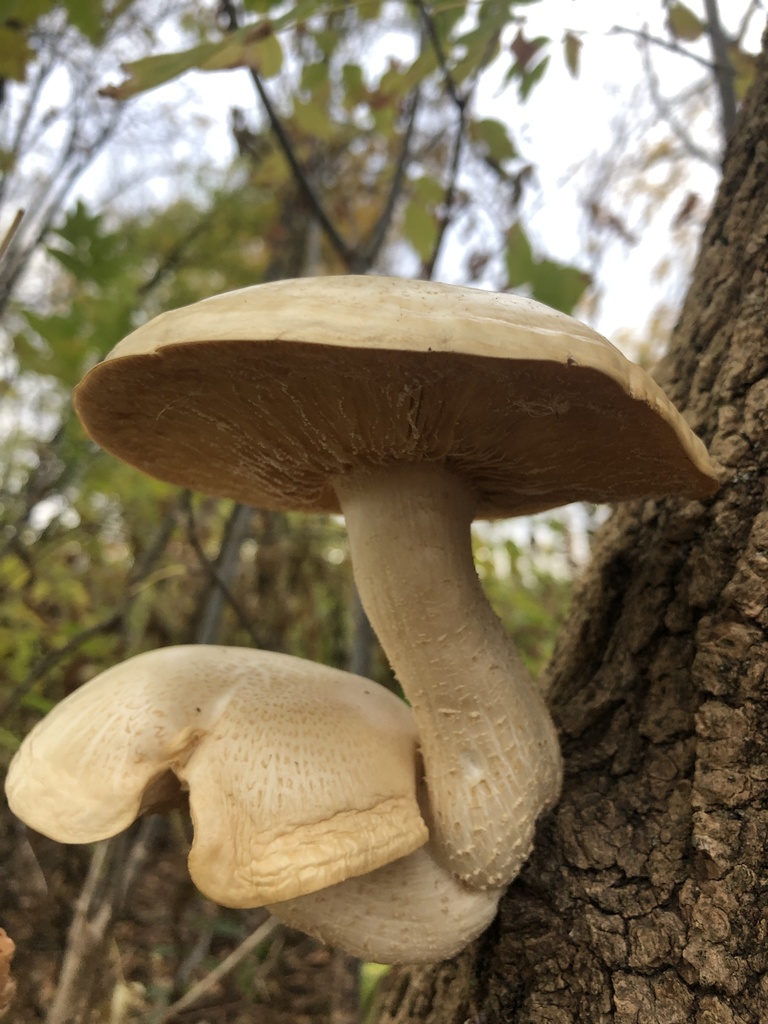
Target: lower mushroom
[412, 911]
[299, 776]
[303, 788]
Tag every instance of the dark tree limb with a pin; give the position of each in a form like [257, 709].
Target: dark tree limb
[345, 252]
[379, 234]
[724, 73]
[221, 572]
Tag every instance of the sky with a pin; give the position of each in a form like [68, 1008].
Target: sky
[568, 129]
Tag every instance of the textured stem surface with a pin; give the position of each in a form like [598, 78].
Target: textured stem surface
[490, 751]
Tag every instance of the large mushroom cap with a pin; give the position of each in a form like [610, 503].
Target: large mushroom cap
[265, 395]
[299, 776]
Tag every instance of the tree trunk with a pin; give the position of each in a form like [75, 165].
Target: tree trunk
[646, 900]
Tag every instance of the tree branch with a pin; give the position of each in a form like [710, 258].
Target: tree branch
[114, 867]
[437, 46]
[227, 965]
[344, 251]
[379, 233]
[665, 44]
[428, 268]
[665, 111]
[724, 74]
[212, 570]
[11, 232]
[235, 532]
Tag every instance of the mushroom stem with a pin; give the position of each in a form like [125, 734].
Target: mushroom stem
[491, 756]
[411, 911]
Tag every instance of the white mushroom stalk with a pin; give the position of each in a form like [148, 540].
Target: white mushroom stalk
[489, 746]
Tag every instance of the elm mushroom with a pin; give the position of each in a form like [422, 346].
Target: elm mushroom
[299, 776]
[411, 911]
[412, 407]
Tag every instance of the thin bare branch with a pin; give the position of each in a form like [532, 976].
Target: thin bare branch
[666, 113]
[64, 178]
[227, 965]
[665, 44]
[114, 867]
[379, 233]
[724, 73]
[235, 532]
[345, 252]
[449, 199]
[437, 46]
[24, 118]
[213, 572]
[751, 10]
[11, 232]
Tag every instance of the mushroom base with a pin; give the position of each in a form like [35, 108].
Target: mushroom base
[409, 912]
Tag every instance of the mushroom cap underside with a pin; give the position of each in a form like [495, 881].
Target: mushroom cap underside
[267, 394]
[299, 776]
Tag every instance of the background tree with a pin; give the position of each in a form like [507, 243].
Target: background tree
[644, 900]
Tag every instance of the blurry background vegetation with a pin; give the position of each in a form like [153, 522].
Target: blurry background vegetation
[363, 137]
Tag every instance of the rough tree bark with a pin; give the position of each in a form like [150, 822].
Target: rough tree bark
[646, 901]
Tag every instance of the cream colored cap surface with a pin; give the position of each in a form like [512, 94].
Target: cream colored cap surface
[299, 776]
[264, 395]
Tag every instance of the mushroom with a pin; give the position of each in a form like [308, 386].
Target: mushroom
[412, 911]
[411, 407]
[299, 776]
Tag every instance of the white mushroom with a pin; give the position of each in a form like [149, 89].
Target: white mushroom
[413, 408]
[299, 776]
[412, 911]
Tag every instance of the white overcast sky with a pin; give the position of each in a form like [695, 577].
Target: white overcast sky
[564, 124]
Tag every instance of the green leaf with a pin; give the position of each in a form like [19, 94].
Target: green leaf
[86, 15]
[261, 6]
[370, 977]
[572, 46]
[683, 23]
[25, 12]
[313, 76]
[744, 65]
[482, 48]
[558, 285]
[495, 137]
[427, 190]
[525, 50]
[149, 72]
[399, 80]
[254, 46]
[518, 257]
[312, 119]
[369, 10]
[354, 84]
[420, 228]
[532, 78]
[37, 702]
[15, 54]
[8, 739]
